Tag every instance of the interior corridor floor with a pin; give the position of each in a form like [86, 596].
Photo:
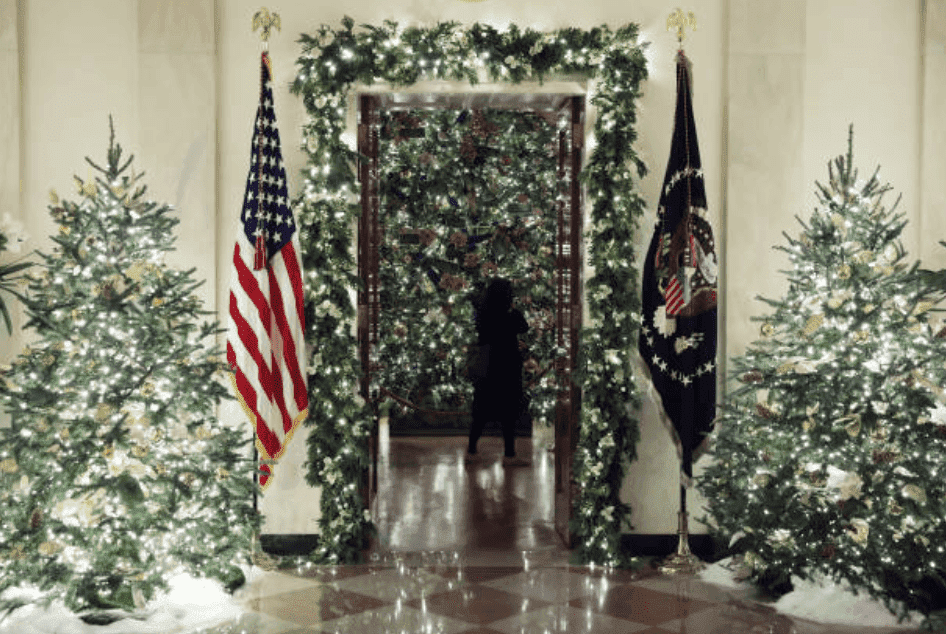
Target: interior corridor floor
[471, 549]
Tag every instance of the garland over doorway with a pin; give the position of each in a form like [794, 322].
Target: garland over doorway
[332, 64]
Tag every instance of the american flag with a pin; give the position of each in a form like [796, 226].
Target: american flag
[265, 347]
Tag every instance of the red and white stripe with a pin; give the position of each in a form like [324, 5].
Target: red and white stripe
[265, 347]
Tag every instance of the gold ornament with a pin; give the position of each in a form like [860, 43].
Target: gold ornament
[768, 330]
[814, 323]
[914, 492]
[861, 530]
[137, 270]
[202, 433]
[9, 465]
[844, 272]
[160, 469]
[108, 452]
[139, 451]
[157, 301]
[861, 336]
[103, 411]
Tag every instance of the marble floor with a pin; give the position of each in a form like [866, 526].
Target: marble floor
[471, 549]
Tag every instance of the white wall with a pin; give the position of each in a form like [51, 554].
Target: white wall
[776, 84]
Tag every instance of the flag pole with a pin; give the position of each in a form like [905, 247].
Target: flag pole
[264, 21]
[683, 561]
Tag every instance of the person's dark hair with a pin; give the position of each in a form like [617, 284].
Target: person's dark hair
[498, 297]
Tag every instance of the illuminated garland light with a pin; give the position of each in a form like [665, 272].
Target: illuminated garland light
[328, 208]
[114, 418]
[827, 455]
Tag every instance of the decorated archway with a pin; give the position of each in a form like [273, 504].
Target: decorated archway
[334, 62]
[458, 189]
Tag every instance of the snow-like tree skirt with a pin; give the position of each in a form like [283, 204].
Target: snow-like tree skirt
[823, 601]
[191, 605]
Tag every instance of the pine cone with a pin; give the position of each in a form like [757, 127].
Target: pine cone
[36, 518]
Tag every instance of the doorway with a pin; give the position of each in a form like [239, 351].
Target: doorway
[392, 116]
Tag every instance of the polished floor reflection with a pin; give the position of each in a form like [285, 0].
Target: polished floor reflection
[471, 549]
[429, 498]
[439, 593]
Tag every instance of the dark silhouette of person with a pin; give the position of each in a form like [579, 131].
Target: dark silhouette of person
[498, 396]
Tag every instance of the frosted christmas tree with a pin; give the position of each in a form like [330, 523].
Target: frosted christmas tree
[830, 453]
[116, 473]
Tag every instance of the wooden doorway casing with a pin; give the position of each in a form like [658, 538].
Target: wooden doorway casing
[568, 283]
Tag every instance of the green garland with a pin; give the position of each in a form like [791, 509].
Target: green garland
[332, 62]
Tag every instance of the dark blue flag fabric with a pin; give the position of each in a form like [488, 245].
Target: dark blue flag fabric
[678, 334]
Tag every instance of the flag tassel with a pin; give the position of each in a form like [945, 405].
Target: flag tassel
[259, 258]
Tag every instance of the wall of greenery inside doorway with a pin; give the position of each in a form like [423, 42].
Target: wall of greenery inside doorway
[467, 195]
[332, 64]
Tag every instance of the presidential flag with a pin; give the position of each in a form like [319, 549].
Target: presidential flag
[678, 335]
[265, 348]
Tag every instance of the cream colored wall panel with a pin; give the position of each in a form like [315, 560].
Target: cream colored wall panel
[9, 111]
[10, 344]
[176, 25]
[289, 505]
[863, 67]
[933, 167]
[8, 25]
[79, 66]
[767, 26]
[765, 190]
[178, 141]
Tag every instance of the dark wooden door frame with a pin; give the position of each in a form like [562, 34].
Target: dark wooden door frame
[568, 282]
[569, 294]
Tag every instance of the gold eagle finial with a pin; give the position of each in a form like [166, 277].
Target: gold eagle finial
[680, 21]
[266, 21]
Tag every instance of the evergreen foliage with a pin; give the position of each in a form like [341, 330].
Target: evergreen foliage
[829, 455]
[116, 473]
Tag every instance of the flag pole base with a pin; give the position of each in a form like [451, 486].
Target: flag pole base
[682, 562]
